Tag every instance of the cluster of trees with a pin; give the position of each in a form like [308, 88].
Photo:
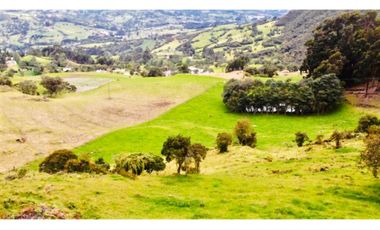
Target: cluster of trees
[337, 137]
[318, 95]
[66, 161]
[127, 165]
[347, 46]
[370, 126]
[243, 131]
[267, 70]
[53, 86]
[152, 72]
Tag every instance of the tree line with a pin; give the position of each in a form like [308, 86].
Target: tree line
[310, 95]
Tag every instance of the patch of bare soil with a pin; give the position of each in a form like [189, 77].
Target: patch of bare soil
[371, 102]
[230, 75]
[162, 104]
[32, 127]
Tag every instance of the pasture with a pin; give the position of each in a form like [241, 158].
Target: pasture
[72, 119]
[203, 117]
[274, 180]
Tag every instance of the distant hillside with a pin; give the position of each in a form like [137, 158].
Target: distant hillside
[279, 40]
[206, 39]
[78, 27]
[298, 28]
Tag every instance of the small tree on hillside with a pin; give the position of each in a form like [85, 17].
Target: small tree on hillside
[269, 69]
[176, 148]
[245, 133]
[337, 137]
[198, 153]
[371, 155]
[183, 68]
[237, 64]
[154, 72]
[223, 140]
[301, 138]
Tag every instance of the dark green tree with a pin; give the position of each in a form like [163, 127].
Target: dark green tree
[237, 64]
[348, 46]
[367, 121]
[183, 68]
[176, 148]
[301, 138]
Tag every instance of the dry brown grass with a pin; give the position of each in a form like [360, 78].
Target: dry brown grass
[71, 120]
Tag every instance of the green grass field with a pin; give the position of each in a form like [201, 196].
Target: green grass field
[203, 117]
[274, 180]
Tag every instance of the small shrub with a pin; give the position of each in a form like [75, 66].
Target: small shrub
[154, 72]
[374, 130]
[337, 137]
[102, 164]
[365, 122]
[319, 140]
[28, 87]
[56, 161]
[5, 81]
[301, 138]
[76, 165]
[371, 155]
[84, 166]
[244, 133]
[138, 162]
[223, 140]
[348, 135]
[21, 173]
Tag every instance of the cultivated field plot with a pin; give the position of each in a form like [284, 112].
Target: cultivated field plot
[70, 120]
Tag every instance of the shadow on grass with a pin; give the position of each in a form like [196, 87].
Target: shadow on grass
[371, 194]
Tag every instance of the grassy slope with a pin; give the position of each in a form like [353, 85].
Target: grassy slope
[224, 34]
[40, 60]
[73, 119]
[240, 184]
[205, 116]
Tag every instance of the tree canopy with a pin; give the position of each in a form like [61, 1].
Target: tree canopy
[348, 46]
[308, 96]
